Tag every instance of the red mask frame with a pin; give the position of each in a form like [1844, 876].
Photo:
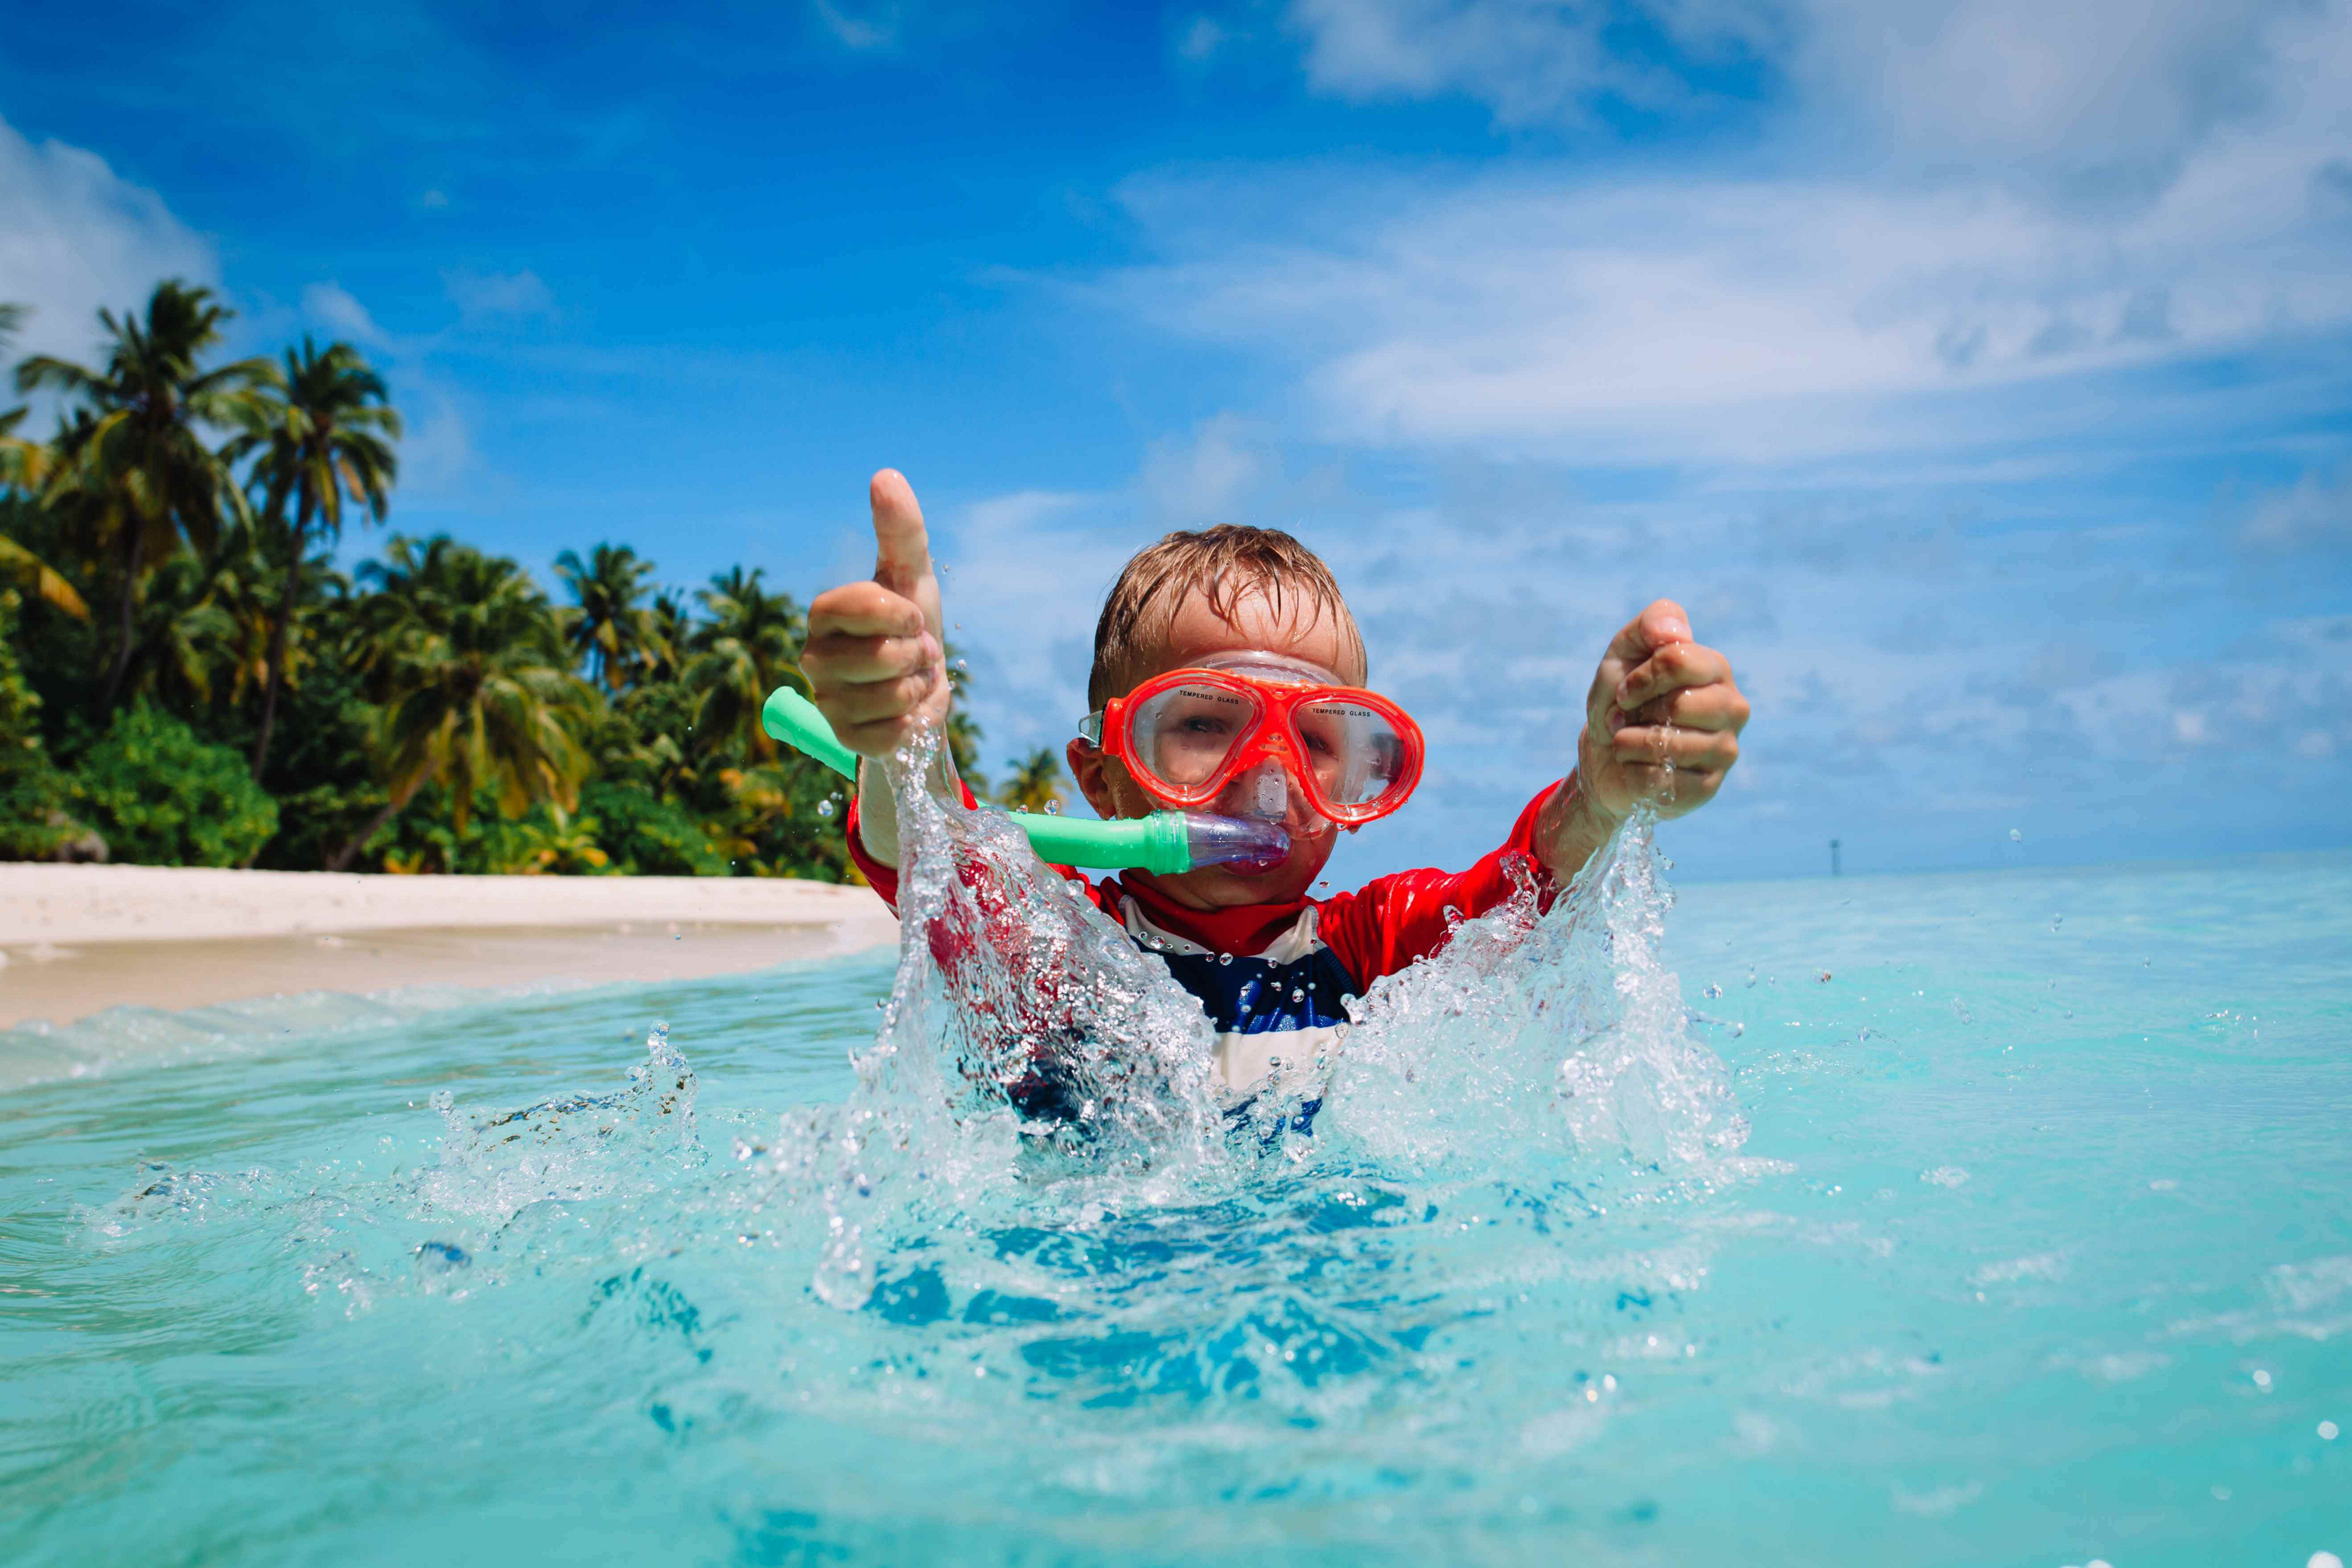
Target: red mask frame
[1272, 733]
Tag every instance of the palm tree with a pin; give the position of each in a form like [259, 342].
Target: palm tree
[25, 465]
[468, 658]
[246, 584]
[136, 469]
[612, 628]
[184, 638]
[37, 577]
[326, 437]
[673, 630]
[749, 647]
[1035, 783]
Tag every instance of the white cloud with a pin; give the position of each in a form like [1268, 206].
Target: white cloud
[332, 306]
[877, 29]
[2316, 512]
[1199, 480]
[76, 237]
[1201, 39]
[2122, 87]
[439, 461]
[2126, 87]
[484, 295]
[1528, 60]
[1651, 316]
[1023, 582]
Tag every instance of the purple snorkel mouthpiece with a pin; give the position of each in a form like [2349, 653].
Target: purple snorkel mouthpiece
[1235, 841]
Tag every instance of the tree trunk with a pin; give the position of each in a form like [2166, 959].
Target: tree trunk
[391, 808]
[130, 555]
[278, 638]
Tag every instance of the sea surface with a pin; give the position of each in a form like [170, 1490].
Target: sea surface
[1972, 1219]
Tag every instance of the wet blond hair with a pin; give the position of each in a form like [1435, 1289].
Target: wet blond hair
[1225, 563]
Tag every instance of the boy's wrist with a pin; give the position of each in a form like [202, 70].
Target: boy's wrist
[1574, 827]
[1588, 815]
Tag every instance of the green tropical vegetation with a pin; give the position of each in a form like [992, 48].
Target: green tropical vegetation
[189, 676]
[1035, 783]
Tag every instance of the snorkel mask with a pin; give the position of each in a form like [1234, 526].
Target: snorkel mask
[1279, 725]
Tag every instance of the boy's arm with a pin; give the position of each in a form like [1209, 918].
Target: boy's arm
[874, 657]
[1662, 724]
[1657, 697]
[1399, 919]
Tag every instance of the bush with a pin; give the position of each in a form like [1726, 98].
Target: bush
[649, 837]
[32, 792]
[163, 797]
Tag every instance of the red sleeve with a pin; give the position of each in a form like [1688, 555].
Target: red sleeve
[1025, 992]
[883, 880]
[1393, 920]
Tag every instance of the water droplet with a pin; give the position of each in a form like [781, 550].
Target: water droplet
[825, 808]
[2262, 1378]
[1297, 995]
[1053, 808]
[2015, 836]
[962, 667]
[1225, 958]
[2327, 1431]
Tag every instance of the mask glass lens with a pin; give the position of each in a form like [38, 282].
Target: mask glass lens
[1356, 753]
[1183, 735]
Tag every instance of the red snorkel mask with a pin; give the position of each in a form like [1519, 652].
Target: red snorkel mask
[1186, 736]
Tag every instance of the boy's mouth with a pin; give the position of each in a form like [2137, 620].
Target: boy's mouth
[1257, 868]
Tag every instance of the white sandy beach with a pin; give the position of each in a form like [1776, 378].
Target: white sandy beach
[76, 940]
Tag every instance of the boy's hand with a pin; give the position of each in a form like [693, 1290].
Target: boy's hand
[1658, 698]
[875, 660]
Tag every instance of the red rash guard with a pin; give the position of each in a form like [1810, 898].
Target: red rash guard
[1278, 997]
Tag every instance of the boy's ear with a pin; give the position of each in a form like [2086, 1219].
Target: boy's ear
[1085, 759]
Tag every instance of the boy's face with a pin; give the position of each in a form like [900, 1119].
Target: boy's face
[1196, 632]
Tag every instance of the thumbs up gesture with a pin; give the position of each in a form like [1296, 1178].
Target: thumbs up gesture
[875, 659]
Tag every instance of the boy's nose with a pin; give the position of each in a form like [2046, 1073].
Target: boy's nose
[1269, 792]
[1266, 793]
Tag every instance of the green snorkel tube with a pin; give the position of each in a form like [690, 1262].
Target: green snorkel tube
[1166, 841]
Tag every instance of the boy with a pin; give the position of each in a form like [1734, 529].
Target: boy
[1255, 618]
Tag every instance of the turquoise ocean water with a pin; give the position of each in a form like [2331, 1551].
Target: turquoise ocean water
[2038, 1250]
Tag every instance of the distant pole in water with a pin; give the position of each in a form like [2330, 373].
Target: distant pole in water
[1835, 869]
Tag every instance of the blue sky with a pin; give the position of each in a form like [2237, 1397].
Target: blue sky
[1975, 371]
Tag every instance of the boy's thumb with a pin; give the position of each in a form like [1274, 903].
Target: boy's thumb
[902, 549]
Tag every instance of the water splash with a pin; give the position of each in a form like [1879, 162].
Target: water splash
[494, 1163]
[1541, 1036]
[1010, 987]
[1548, 1039]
